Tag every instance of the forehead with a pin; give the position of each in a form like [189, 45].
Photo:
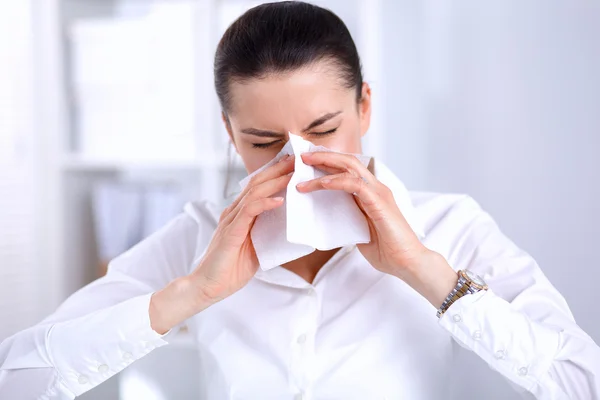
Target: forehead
[296, 97]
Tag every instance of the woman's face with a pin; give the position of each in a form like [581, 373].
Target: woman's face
[310, 102]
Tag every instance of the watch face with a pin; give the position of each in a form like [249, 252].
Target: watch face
[475, 278]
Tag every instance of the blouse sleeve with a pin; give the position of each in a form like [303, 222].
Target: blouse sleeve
[103, 327]
[522, 327]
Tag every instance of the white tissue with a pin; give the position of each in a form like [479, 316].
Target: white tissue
[323, 220]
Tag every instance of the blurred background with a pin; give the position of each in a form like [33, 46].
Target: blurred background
[109, 123]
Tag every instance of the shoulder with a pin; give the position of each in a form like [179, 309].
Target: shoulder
[196, 218]
[205, 217]
[459, 228]
[438, 209]
[179, 241]
[455, 224]
[203, 213]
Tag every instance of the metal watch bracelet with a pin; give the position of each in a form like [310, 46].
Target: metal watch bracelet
[461, 288]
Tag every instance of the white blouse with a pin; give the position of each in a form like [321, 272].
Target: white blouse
[354, 333]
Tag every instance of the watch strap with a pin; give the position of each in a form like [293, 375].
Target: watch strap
[454, 295]
[463, 287]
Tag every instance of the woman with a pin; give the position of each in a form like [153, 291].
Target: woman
[353, 323]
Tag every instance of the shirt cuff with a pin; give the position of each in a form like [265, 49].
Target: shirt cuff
[520, 349]
[57, 390]
[88, 350]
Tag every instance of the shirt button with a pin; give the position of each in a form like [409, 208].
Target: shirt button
[83, 379]
[477, 335]
[457, 318]
[500, 354]
[301, 339]
[103, 368]
[523, 371]
[127, 355]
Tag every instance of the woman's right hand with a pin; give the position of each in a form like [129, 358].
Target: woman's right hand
[230, 260]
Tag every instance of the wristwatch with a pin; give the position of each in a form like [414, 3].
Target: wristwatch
[468, 283]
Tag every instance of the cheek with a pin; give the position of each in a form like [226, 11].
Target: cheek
[346, 140]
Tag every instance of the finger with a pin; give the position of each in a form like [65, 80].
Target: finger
[241, 224]
[265, 189]
[316, 184]
[353, 185]
[283, 167]
[346, 162]
[329, 170]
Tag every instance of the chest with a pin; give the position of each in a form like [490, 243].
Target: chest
[361, 336]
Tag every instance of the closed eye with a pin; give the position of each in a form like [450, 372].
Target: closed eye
[318, 134]
[329, 132]
[264, 145]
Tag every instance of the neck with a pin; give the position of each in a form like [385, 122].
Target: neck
[308, 266]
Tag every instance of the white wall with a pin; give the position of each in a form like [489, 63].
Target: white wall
[501, 100]
[21, 277]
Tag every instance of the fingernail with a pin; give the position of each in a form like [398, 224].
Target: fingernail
[325, 181]
[278, 199]
[301, 184]
[307, 154]
[284, 158]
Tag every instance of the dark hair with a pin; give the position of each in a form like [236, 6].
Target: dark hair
[281, 37]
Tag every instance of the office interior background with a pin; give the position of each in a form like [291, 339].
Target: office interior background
[109, 124]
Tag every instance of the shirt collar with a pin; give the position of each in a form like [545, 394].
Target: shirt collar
[284, 277]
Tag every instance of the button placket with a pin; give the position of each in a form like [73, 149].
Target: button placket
[303, 341]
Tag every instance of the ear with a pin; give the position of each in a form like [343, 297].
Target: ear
[364, 109]
[228, 128]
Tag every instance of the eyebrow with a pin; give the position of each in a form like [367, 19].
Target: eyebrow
[272, 134]
[321, 120]
[263, 133]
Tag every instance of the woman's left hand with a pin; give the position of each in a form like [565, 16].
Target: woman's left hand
[394, 246]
